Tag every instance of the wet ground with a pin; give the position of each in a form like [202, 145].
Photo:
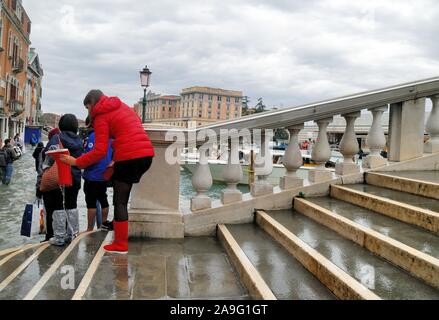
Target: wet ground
[194, 268]
[411, 199]
[430, 176]
[21, 191]
[285, 276]
[383, 278]
[408, 234]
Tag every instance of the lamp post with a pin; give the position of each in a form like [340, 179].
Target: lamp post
[145, 79]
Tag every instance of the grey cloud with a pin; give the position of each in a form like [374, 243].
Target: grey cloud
[289, 52]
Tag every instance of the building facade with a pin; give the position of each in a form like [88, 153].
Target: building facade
[15, 29]
[196, 106]
[33, 90]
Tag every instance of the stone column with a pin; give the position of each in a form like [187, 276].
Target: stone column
[292, 160]
[321, 153]
[232, 174]
[349, 147]
[263, 168]
[202, 181]
[407, 128]
[376, 140]
[154, 208]
[432, 127]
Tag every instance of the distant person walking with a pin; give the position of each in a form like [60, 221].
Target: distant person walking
[95, 185]
[7, 157]
[133, 154]
[37, 154]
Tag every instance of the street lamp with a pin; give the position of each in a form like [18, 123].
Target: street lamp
[145, 79]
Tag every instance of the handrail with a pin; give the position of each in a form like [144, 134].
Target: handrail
[319, 110]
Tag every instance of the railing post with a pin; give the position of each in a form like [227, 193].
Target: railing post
[407, 130]
[155, 206]
[376, 140]
[232, 174]
[432, 127]
[202, 181]
[321, 153]
[263, 167]
[349, 147]
[292, 160]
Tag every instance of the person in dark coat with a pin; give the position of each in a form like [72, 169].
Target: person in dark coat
[61, 210]
[37, 154]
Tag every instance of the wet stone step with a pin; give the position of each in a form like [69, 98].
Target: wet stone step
[415, 237]
[407, 198]
[27, 279]
[284, 275]
[384, 279]
[12, 264]
[77, 262]
[428, 176]
[193, 268]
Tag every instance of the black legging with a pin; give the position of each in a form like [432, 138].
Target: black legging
[122, 192]
[53, 201]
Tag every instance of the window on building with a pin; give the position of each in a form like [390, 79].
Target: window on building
[1, 32]
[220, 98]
[10, 44]
[236, 100]
[210, 97]
[228, 99]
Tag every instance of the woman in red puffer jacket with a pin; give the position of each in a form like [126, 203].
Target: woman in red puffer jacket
[133, 154]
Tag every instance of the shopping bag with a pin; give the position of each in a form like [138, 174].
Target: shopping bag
[33, 223]
[38, 219]
[26, 223]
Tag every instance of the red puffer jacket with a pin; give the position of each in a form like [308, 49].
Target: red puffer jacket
[114, 119]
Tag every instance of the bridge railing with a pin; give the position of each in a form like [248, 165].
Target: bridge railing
[159, 190]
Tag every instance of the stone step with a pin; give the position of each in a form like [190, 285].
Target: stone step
[418, 263]
[13, 259]
[161, 269]
[410, 183]
[412, 209]
[73, 260]
[282, 273]
[339, 282]
[23, 280]
[381, 277]
[250, 276]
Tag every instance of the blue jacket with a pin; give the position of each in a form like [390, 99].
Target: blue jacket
[96, 171]
[72, 142]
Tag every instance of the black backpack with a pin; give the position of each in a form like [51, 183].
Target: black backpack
[3, 158]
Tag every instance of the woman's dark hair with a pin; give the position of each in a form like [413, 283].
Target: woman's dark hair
[87, 121]
[68, 122]
[93, 97]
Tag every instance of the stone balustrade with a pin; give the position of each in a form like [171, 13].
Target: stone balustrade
[156, 214]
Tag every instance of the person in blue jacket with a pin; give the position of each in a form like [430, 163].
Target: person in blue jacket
[95, 186]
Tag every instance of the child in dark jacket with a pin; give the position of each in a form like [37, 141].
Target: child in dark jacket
[95, 185]
[64, 210]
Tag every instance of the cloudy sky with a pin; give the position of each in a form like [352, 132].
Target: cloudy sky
[288, 52]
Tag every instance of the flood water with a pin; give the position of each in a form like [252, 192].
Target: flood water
[21, 191]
